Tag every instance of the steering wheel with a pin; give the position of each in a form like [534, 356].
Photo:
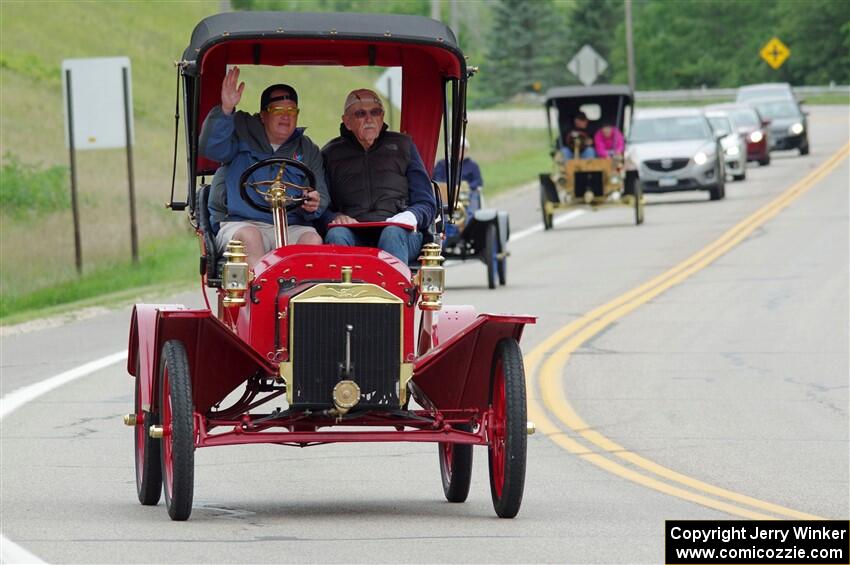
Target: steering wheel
[290, 202]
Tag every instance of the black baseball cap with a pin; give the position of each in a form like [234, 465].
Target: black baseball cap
[581, 116]
[267, 97]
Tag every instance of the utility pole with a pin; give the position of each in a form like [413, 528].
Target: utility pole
[630, 47]
[435, 9]
[455, 24]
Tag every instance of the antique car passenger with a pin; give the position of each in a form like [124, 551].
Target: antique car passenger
[238, 140]
[376, 175]
[578, 139]
[589, 122]
[470, 172]
[609, 142]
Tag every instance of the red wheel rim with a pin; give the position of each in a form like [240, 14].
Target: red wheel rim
[140, 435]
[167, 448]
[498, 426]
[447, 459]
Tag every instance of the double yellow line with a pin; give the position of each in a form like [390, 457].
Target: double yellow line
[602, 451]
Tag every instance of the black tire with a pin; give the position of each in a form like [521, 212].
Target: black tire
[508, 438]
[638, 192]
[491, 249]
[766, 161]
[547, 218]
[178, 441]
[456, 467]
[804, 148]
[148, 470]
[502, 270]
[742, 176]
[718, 191]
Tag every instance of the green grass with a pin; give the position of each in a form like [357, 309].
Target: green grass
[37, 250]
[26, 190]
[508, 157]
[167, 263]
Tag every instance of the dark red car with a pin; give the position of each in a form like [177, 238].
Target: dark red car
[752, 127]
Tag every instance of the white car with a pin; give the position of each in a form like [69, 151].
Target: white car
[676, 150]
[734, 144]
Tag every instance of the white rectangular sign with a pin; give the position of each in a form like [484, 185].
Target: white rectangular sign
[389, 85]
[97, 94]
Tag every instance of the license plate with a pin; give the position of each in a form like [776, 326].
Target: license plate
[668, 181]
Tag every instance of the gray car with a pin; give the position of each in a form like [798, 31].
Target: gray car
[788, 126]
[746, 94]
[676, 150]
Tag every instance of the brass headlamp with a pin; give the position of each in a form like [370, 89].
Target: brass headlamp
[431, 277]
[235, 274]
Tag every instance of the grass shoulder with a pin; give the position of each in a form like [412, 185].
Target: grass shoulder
[164, 266]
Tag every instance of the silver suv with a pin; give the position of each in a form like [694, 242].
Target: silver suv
[677, 150]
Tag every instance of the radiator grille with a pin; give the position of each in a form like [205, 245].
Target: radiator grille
[318, 350]
[666, 164]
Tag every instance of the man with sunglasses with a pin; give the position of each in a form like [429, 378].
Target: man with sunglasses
[375, 175]
[238, 140]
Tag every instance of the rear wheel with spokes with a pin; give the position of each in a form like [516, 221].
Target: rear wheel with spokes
[491, 252]
[638, 196]
[148, 471]
[456, 467]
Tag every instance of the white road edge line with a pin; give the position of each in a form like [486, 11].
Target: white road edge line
[539, 227]
[11, 552]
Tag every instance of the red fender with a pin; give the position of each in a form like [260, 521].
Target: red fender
[219, 360]
[436, 327]
[455, 373]
[143, 349]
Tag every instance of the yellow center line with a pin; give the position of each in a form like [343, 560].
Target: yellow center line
[573, 335]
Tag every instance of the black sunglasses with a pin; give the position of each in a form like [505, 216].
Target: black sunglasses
[374, 112]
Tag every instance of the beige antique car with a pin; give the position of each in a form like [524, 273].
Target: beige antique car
[593, 182]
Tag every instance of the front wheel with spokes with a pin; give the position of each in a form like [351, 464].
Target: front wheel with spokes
[178, 435]
[508, 428]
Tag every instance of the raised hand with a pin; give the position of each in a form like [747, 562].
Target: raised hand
[231, 90]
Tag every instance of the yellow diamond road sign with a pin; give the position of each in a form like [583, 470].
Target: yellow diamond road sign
[775, 52]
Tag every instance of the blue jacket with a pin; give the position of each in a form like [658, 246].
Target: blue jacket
[238, 141]
[469, 171]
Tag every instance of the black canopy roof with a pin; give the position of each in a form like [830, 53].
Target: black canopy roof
[558, 92]
[375, 27]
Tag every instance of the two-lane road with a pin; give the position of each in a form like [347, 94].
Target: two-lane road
[718, 391]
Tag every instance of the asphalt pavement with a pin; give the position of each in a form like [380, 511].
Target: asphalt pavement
[732, 380]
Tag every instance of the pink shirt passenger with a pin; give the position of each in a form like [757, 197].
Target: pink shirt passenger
[608, 142]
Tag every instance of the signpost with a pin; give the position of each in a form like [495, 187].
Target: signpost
[587, 65]
[775, 53]
[389, 85]
[99, 115]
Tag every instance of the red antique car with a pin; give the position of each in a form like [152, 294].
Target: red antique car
[355, 345]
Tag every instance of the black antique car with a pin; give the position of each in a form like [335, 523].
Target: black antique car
[587, 182]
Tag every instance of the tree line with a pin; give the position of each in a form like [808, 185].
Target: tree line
[525, 45]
